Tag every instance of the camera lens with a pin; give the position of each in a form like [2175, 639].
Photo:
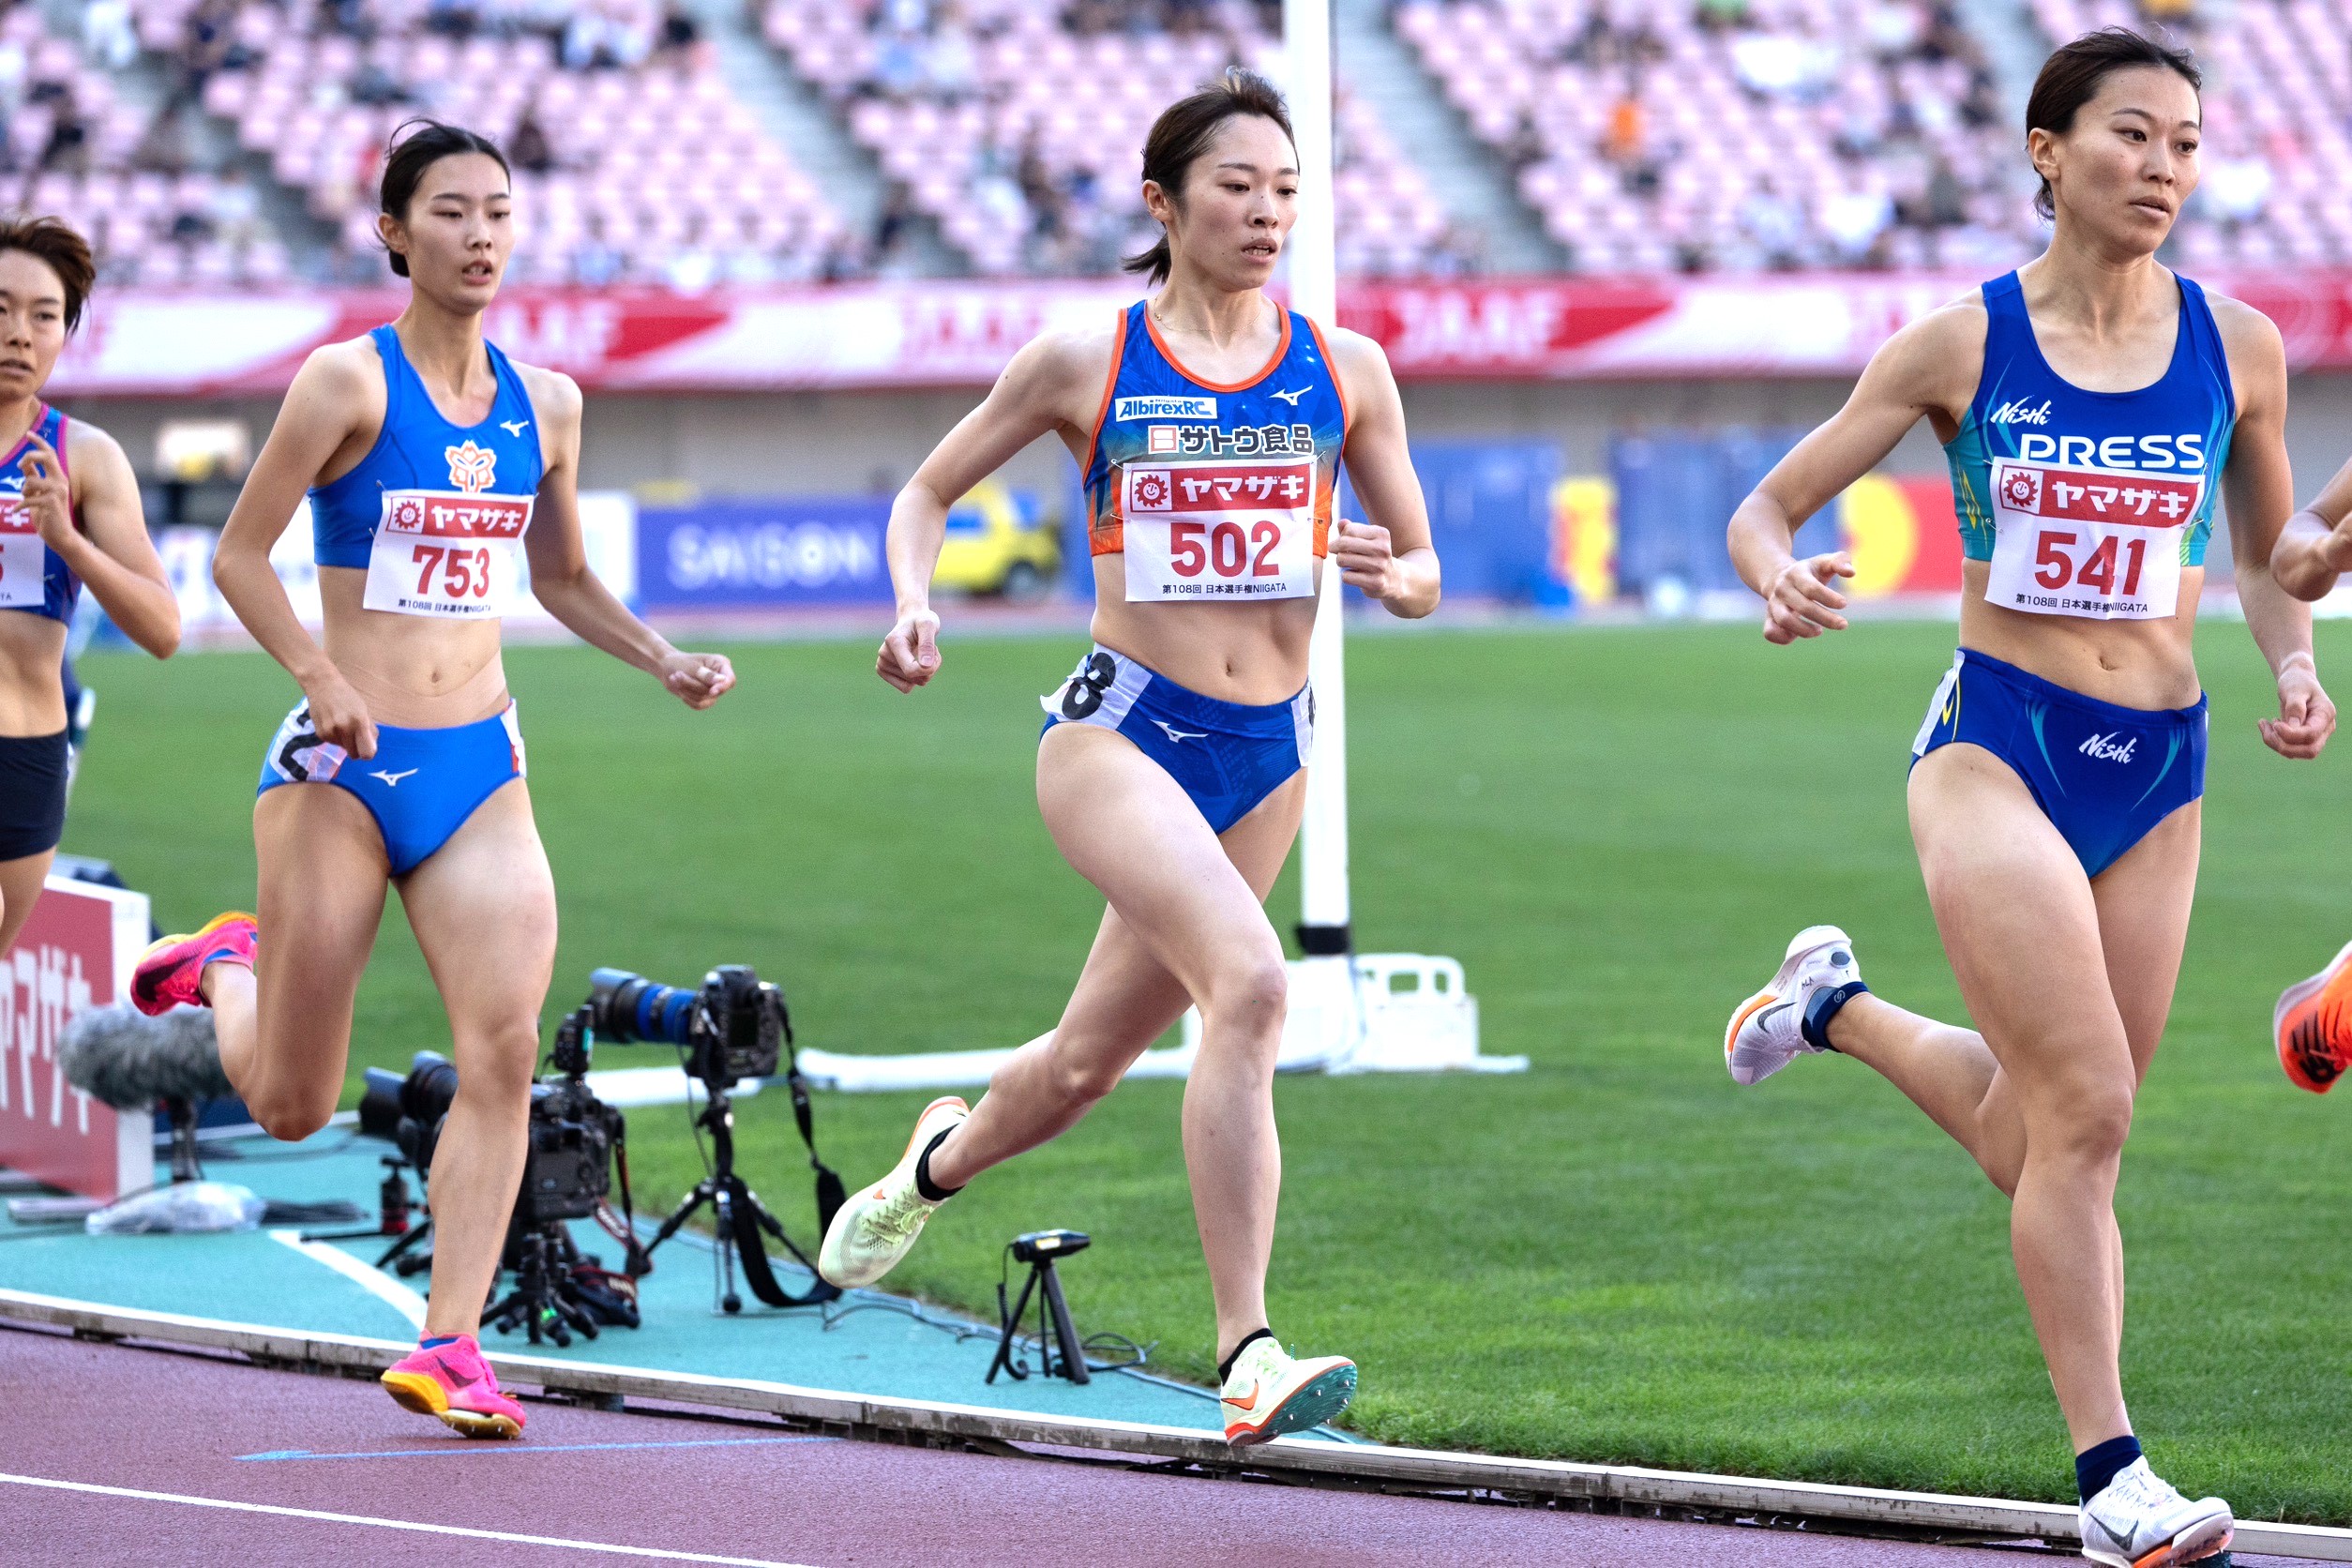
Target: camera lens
[627, 1007]
[430, 1088]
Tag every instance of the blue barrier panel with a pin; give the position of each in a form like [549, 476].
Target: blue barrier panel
[1676, 490]
[766, 552]
[1490, 507]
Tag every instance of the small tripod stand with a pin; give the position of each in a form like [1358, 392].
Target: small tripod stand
[546, 1298]
[741, 1220]
[1038, 1249]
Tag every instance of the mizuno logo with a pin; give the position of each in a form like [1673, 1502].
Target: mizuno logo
[1291, 397]
[391, 779]
[1180, 736]
[514, 426]
[2017, 413]
[2103, 748]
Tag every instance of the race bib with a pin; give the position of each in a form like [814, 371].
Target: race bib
[1219, 529]
[22, 557]
[440, 552]
[2089, 541]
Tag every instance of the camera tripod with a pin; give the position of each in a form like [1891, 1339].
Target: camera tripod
[547, 1299]
[741, 1218]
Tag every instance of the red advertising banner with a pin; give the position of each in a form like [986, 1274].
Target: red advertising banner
[76, 952]
[960, 333]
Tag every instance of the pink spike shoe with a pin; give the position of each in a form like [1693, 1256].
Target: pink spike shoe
[171, 973]
[455, 1383]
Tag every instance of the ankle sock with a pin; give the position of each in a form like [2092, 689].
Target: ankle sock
[437, 1341]
[1225, 1367]
[933, 1192]
[1823, 1007]
[2100, 1464]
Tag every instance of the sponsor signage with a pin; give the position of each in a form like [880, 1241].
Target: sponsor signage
[75, 953]
[762, 553]
[960, 333]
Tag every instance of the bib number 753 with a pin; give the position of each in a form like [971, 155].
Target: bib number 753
[464, 573]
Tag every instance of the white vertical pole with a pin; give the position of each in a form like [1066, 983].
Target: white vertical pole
[1324, 911]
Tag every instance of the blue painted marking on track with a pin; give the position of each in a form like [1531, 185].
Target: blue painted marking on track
[533, 1448]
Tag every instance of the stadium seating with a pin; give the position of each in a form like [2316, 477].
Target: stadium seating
[1730, 134]
[1022, 135]
[2278, 76]
[76, 147]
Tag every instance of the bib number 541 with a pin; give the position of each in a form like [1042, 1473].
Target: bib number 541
[1196, 547]
[2055, 568]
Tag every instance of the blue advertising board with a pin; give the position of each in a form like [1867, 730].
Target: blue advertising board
[763, 553]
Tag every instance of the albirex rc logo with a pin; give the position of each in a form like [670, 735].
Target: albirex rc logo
[472, 468]
[1166, 408]
[2103, 748]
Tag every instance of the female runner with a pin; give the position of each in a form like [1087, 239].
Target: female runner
[1210, 424]
[74, 521]
[2090, 404]
[425, 453]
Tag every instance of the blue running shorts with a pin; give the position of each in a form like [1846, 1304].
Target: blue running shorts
[1227, 756]
[421, 786]
[2103, 774]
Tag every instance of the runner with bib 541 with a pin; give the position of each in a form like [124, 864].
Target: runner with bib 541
[2091, 403]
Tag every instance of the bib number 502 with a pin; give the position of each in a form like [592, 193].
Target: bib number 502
[2055, 567]
[464, 573]
[1193, 547]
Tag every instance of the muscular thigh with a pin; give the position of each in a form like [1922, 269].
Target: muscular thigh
[322, 877]
[20, 882]
[2144, 901]
[483, 909]
[2018, 920]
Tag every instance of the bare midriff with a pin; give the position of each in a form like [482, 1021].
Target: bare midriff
[1253, 654]
[32, 698]
[2132, 664]
[414, 671]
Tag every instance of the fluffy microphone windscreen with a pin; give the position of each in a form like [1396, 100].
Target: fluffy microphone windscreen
[120, 1056]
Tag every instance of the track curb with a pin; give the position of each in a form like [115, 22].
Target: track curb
[1855, 1509]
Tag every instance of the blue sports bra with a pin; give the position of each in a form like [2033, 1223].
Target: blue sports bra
[418, 451]
[2176, 429]
[59, 588]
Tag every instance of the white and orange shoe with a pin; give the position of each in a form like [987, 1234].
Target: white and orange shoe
[1766, 1030]
[2141, 1522]
[878, 1226]
[1270, 1392]
[2313, 1025]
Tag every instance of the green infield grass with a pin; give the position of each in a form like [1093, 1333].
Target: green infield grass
[1617, 1256]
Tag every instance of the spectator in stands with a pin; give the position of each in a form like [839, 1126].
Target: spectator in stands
[374, 85]
[68, 151]
[455, 19]
[1526, 146]
[595, 264]
[1723, 16]
[233, 211]
[107, 35]
[950, 64]
[1774, 224]
[893, 222]
[691, 266]
[2235, 189]
[1855, 222]
[529, 147]
[162, 148]
[678, 42]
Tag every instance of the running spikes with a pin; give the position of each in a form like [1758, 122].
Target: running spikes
[2142, 1522]
[454, 1382]
[2313, 1025]
[170, 973]
[1766, 1032]
[1270, 1392]
[878, 1224]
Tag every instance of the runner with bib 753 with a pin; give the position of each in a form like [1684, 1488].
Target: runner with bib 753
[1209, 424]
[430, 458]
[2093, 404]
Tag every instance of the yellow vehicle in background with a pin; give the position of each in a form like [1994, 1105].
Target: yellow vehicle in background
[997, 544]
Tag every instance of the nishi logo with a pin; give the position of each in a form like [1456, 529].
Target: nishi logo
[2017, 412]
[2103, 748]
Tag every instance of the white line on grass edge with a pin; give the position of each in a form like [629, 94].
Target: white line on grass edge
[138, 1496]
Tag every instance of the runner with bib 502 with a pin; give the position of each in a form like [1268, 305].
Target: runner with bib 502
[429, 457]
[1210, 424]
[2091, 403]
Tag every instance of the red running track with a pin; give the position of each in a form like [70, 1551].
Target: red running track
[638, 1488]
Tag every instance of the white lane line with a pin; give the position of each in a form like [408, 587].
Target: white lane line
[382, 1286]
[138, 1496]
